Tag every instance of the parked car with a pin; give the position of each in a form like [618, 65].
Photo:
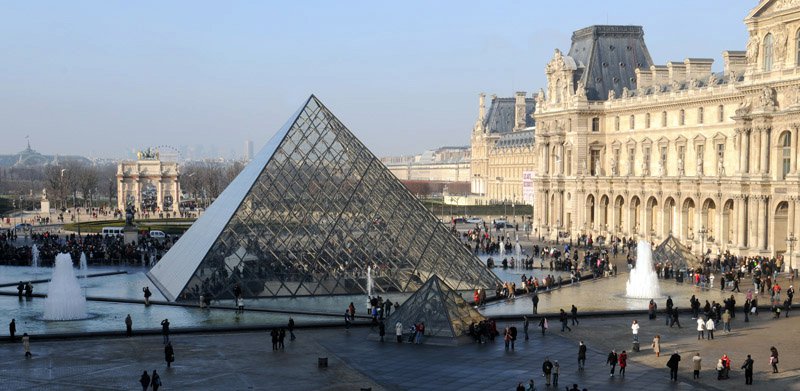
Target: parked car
[475, 220]
[157, 234]
[459, 220]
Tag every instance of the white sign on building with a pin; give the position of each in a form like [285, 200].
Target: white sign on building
[527, 187]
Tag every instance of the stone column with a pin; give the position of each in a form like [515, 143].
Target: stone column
[755, 152]
[762, 226]
[764, 151]
[795, 131]
[740, 145]
[718, 229]
[753, 212]
[741, 228]
[159, 195]
[746, 150]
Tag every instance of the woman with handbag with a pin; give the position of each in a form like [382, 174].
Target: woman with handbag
[773, 359]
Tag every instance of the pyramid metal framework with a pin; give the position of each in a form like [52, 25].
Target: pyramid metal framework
[307, 217]
[671, 250]
[443, 311]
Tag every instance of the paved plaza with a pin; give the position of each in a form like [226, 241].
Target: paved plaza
[245, 361]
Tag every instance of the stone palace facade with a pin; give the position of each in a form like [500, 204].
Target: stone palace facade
[630, 148]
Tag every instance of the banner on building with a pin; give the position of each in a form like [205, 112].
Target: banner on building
[527, 187]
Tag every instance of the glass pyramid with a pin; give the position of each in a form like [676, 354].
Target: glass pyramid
[671, 250]
[443, 311]
[307, 217]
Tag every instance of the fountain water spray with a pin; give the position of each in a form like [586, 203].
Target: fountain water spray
[643, 281]
[84, 265]
[64, 301]
[35, 257]
[518, 252]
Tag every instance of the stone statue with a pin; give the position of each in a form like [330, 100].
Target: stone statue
[597, 167]
[733, 77]
[611, 94]
[779, 46]
[793, 96]
[540, 99]
[713, 80]
[752, 49]
[768, 98]
[694, 83]
[626, 93]
[660, 168]
[129, 213]
[44, 194]
[613, 167]
[721, 167]
[580, 91]
[699, 166]
[744, 107]
[583, 167]
[645, 169]
[680, 167]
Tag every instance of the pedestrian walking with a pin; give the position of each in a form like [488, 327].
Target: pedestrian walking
[726, 320]
[128, 326]
[274, 337]
[169, 354]
[144, 380]
[748, 370]
[773, 359]
[155, 380]
[165, 330]
[420, 332]
[635, 331]
[675, 319]
[710, 326]
[657, 345]
[291, 330]
[543, 325]
[12, 329]
[612, 360]
[563, 318]
[513, 332]
[398, 331]
[574, 312]
[556, 370]
[623, 362]
[672, 364]
[281, 338]
[696, 361]
[239, 305]
[525, 325]
[347, 320]
[535, 300]
[701, 328]
[581, 356]
[26, 345]
[147, 295]
[381, 330]
[547, 369]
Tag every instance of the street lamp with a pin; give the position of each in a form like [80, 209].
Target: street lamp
[791, 239]
[703, 231]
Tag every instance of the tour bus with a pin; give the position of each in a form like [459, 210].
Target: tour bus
[112, 231]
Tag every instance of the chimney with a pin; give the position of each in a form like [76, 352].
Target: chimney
[482, 107]
[698, 68]
[677, 71]
[519, 111]
[644, 78]
[660, 74]
[735, 61]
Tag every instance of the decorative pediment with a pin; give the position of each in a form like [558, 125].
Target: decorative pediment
[631, 143]
[699, 139]
[560, 62]
[616, 144]
[681, 140]
[663, 141]
[646, 141]
[772, 6]
[719, 137]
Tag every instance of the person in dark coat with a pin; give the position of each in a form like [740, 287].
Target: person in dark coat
[20, 289]
[12, 329]
[274, 335]
[291, 329]
[581, 356]
[155, 380]
[169, 354]
[281, 337]
[672, 364]
[128, 326]
[165, 330]
[535, 300]
[382, 329]
[612, 360]
[144, 381]
[748, 370]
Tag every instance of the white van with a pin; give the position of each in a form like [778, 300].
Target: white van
[158, 234]
[112, 231]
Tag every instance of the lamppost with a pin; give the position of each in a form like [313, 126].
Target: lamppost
[703, 231]
[791, 239]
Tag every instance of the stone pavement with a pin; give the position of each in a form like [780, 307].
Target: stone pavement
[245, 361]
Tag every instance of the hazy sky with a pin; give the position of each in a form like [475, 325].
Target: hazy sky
[101, 78]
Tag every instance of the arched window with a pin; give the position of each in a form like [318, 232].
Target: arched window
[682, 118]
[700, 115]
[596, 124]
[663, 119]
[632, 122]
[720, 113]
[647, 121]
[797, 45]
[768, 40]
[786, 146]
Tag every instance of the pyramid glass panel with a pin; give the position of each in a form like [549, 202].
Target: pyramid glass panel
[679, 256]
[306, 217]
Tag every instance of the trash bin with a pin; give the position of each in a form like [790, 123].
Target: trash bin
[635, 347]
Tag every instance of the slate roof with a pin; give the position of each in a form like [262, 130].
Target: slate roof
[500, 117]
[515, 139]
[607, 58]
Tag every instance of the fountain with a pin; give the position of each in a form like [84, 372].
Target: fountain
[518, 252]
[84, 265]
[64, 298]
[643, 281]
[35, 257]
[369, 289]
[502, 249]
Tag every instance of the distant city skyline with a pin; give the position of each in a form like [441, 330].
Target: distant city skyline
[103, 79]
